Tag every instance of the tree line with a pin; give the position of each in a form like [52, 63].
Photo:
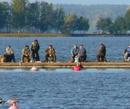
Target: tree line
[95, 12]
[39, 17]
[121, 25]
[42, 17]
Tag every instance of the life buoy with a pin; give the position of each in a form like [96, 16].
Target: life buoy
[34, 68]
[77, 67]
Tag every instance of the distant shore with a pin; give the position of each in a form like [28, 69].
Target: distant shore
[59, 35]
[99, 35]
[32, 35]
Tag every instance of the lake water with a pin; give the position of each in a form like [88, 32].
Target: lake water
[115, 46]
[66, 89]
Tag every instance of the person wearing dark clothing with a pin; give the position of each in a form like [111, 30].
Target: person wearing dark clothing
[35, 48]
[82, 54]
[10, 54]
[74, 53]
[127, 54]
[101, 53]
[50, 54]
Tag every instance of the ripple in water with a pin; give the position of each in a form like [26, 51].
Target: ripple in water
[66, 89]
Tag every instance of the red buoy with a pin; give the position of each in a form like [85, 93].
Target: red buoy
[13, 107]
[77, 67]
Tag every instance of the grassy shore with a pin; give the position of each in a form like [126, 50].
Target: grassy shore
[58, 35]
[32, 35]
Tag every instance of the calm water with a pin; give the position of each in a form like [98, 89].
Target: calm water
[115, 46]
[66, 89]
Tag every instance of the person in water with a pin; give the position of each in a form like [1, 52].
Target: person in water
[101, 53]
[26, 53]
[127, 54]
[35, 48]
[82, 54]
[50, 54]
[74, 53]
[10, 53]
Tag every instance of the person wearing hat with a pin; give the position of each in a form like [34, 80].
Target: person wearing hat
[26, 53]
[10, 54]
[35, 48]
[101, 53]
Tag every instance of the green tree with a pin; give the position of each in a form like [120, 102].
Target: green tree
[70, 24]
[4, 14]
[104, 24]
[113, 29]
[33, 15]
[46, 16]
[18, 13]
[127, 19]
[120, 25]
[58, 19]
[83, 24]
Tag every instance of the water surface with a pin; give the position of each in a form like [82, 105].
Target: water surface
[67, 89]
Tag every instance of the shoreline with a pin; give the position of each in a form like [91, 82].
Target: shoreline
[60, 35]
[32, 35]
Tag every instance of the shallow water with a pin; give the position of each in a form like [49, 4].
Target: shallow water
[67, 89]
[115, 46]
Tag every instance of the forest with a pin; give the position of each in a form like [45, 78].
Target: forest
[97, 13]
[43, 17]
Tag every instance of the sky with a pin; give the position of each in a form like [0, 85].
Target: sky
[83, 2]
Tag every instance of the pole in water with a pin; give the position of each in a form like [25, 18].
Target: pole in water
[13, 102]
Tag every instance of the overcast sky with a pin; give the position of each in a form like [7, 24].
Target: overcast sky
[84, 2]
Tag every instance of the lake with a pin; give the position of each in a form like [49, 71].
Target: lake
[65, 88]
[115, 46]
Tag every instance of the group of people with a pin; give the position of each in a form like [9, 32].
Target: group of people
[31, 53]
[102, 53]
[26, 52]
[78, 54]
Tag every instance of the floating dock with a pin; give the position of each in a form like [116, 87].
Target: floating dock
[45, 65]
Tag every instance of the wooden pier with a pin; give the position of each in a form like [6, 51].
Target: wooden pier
[94, 65]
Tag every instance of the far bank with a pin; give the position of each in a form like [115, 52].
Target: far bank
[60, 35]
[32, 35]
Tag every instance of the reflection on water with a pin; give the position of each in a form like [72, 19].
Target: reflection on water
[66, 89]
